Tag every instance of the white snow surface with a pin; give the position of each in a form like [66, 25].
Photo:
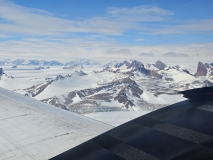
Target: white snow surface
[75, 82]
[116, 118]
[27, 76]
[178, 76]
[162, 98]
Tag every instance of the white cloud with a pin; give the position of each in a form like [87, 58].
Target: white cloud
[144, 54]
[4, 36]
[30, 21]
[77, 48]
[204, 25]
[173, 54]
[139, 39]
[20, 20]
[140, 13]
[189, 49]
[120, 52]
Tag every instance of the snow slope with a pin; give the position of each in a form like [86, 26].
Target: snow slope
[116, 118]
[117, 86]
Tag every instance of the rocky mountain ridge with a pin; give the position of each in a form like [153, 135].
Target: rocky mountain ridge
[3, 74]
[73, 64]
[204, 69]
[127, 85]
[132, 81]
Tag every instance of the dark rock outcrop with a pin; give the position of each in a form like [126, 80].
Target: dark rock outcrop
[130, 65]
[160, 65]
[135, 64]
[80, 73]
[207, 84]
[1, 71]
[59, 77]
[201, 70]
[37, 89]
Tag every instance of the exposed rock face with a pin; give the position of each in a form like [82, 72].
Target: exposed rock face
[119, 90]
[130, 65]
[201, 70]
[122, 98]
[37, 89]
[39, 68]
[208, 65]
[53, 101]
[160, 65]
[155, 75]
[59, 77]
[135, 64]
[1, 71]
[207, 84]
[80, 73]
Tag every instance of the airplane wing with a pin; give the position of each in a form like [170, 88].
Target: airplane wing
[181, 131]
[33, 130]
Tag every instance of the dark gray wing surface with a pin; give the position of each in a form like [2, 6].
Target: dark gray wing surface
[181, 131]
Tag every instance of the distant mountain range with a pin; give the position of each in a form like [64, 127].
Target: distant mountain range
[3, 75]
[116, 86]
[17, 62]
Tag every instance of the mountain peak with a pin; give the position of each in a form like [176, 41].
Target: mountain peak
[160, 65]
[79, 73]
[1, 71]
[59, 77]
[82, 62]
[201, 70]
[129, 64]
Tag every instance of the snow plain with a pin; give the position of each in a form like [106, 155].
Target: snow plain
[116, 118]
[28, 76]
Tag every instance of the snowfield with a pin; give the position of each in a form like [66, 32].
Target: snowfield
[116, 118]
[113, 93]
[162, 99]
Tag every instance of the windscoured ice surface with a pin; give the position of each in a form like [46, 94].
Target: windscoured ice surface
[96, 90]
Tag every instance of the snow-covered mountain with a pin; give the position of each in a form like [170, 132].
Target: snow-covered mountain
[69, 65]
[160, 65]
[205, 70]
[117, 86]
[42, 63]
[5, 61]
[110, 64]
[83, 62]
[30, 62]
[126, 85]
[18, 61]
[3, 75]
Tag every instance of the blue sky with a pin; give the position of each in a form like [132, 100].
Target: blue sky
[92, 28]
